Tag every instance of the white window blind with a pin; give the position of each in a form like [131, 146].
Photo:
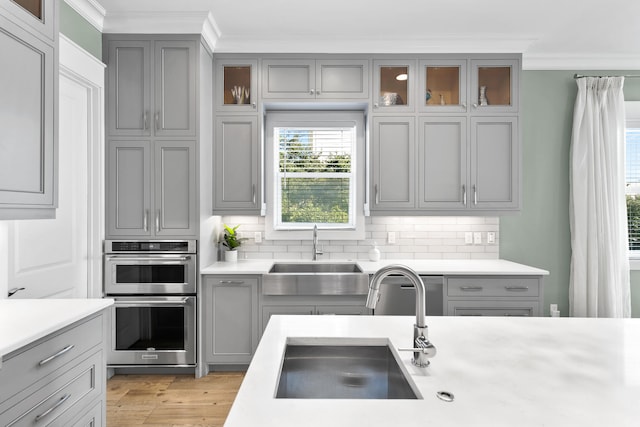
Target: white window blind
[315, 178]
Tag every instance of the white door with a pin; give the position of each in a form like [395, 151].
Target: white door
[49, 257]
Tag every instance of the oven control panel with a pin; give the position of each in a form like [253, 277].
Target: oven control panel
[167, 246]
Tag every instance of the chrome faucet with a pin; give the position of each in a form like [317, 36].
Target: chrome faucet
[316, 252]
[422, 348]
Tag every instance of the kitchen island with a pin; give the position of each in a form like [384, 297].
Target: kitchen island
[502, 372]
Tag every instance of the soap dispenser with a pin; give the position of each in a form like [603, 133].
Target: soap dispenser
[374, 253]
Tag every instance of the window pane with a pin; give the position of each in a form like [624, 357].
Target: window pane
[315, 200]
[633, 187]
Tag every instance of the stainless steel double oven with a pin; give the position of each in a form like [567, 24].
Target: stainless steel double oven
[154, 316]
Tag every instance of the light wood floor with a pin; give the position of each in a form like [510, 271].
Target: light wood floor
[171, 400]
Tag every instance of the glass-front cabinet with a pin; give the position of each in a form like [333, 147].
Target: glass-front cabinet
[494, 85]
[237, 85]
[37, 14]
[394, 86]
[443, 86]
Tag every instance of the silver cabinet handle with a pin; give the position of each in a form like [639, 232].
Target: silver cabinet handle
[375, 190]
[137, 303]
[145, 220]
[58, 354]
[517, 288]
[231, 282]
[158, 221]
[475, 105]
[13, 291]
[157, 120]
[317, 92]
[471, 288]
[253, 194]
[464, 194]
[54, 407]
[375, 105]
[254, 105]
[464, 105]
[145, 119]
[311, 92]
[475, 195]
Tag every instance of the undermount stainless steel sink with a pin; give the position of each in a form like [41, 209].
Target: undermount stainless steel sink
[315, 278]
[343, 371]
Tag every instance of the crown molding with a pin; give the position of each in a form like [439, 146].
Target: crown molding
[572, 61]
[211, 32]
[160, 23]
[90, 10]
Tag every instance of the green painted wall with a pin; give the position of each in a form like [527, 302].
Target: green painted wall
[539, 235]
[76, 28]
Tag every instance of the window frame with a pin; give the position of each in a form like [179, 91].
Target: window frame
[314, 119]
[632, 119]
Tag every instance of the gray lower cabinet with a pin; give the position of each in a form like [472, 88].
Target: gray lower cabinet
[28, 111]
[151, 188]
[309, 79]
[325, 305]
[151, 84]
[231, 319]
[237, 165]
[59, 380]
[493, 296]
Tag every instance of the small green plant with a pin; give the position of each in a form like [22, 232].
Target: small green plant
[230, 238]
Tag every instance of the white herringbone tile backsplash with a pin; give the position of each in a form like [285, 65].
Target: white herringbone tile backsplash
[416, 238]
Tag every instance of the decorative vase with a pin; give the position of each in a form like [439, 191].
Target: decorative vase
[483, 96]
[231, 256]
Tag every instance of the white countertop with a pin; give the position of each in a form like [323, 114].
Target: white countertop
[503, 372]
[440, 267]
[23, 321]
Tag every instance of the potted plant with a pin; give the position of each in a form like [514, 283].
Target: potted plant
[232, 242]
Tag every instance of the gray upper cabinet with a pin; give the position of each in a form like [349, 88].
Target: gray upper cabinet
[442, 157]
[151, 87]
[237, 183]
[151, 188]
[28, 124]
[310, 79]
[494, 86]
[236, 85]
[443, 86]
[394, 83]
[393, 163]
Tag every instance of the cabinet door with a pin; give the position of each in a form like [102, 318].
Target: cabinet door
[128, 188]
[270, 310]
[345, 310]
[175, 88]
[38, 15]
[443, 86]
[493, 308]
[288, 79]
[175, 188]
[235, 79]
[394, 86]
[232, 319]
[237, 164]
[28, 129]
[495, 157]
[494, 86]
[443, 163]
[342, 79]
[393, 163]
[129, 88]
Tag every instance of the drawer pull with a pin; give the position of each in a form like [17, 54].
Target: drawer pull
[517, 288]
[231, 282]
[58, 354]
[471, 288]
[54, 407]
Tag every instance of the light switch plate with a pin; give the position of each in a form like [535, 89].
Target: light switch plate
[391, 237]
[491, 237]
[468, 238]
[257, 236]
[477, 238]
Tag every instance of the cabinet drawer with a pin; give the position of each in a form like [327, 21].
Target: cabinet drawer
[23, 368]
[52, 404]
[491, 308]
[493, 287]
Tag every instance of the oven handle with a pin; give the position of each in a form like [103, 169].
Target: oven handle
[130, 258]
[137, 303]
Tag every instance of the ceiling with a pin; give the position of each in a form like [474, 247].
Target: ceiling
[554, 34]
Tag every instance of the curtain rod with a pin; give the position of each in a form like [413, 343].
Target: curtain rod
[629, 76]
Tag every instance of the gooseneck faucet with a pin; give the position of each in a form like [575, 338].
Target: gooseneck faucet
[316, 252]
[422, 348]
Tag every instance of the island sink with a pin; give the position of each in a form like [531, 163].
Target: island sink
[343, 371]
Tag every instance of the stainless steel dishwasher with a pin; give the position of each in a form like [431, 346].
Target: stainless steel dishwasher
[398, 296]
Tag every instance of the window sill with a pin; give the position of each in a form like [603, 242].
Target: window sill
[634, 264]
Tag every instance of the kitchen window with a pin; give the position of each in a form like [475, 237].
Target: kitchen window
[632, 178]
[314, 173]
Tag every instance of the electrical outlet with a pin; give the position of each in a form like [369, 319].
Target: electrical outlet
[391, 237]
[477, 238]
[468, 238]
[257, 236]
[491, 237]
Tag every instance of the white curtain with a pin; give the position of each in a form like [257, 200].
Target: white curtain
[598, 214]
